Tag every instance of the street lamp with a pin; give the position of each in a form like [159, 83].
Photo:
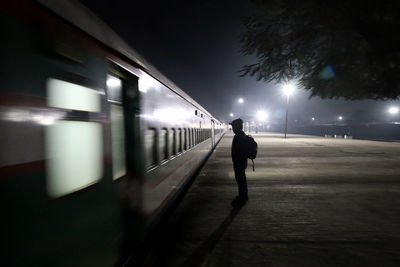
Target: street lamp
[231, 114]
[287, 90]
[262, 115]
[340, 118]
[393, 110]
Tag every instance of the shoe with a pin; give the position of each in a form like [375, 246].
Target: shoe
[235, 201]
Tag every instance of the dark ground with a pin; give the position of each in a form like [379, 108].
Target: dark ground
[312, 202]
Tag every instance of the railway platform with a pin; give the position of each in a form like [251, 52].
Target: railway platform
[312, 202]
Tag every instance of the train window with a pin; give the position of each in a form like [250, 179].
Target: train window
[185, 145]
[163, 144]
[74, 154]
[196, 113]
[62, 94]
[190, 138]
[74, 149]
[150, 148]
[180, 140]
[114, 86]
[190, 134]
[193, 137]
[118, 141]
[172, 141]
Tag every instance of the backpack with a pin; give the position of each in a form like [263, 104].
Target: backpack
[251, 148]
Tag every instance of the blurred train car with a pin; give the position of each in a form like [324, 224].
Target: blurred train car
[95, 143]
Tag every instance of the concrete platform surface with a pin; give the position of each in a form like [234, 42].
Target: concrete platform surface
[312, 202]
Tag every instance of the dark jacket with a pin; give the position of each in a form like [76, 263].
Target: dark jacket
[239, 156]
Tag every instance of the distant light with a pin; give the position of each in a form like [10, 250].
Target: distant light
[231, 115]
[288, 89]
[393, 110]
[313, 118]
[340, 118]
[240, 100]
[262, 115]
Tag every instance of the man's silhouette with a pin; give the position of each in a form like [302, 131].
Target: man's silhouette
[239, 158]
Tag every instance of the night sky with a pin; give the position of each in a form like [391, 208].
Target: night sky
[196, 45]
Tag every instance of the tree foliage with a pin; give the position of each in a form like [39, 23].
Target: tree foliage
[339, 48]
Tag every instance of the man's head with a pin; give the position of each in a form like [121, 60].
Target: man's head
[237, 125]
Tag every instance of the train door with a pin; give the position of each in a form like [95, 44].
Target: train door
[123, 96]
[212, 133]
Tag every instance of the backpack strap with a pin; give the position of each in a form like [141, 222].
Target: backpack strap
[253, 164]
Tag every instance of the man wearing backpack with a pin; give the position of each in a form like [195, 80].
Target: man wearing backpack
[239, 158]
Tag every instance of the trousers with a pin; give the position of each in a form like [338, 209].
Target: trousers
[240, 176]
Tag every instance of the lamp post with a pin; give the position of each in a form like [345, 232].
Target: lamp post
[287, 90]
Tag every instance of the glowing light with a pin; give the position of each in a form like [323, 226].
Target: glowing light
[313, 118]
[113, 82]
[340, 118]
[170, 115]
[231, 115]
[44, 120]
[288, 89]
[66, 95]
[18, 115]
[393, 110]
[262, 115]
[240, 100]
[146, 83]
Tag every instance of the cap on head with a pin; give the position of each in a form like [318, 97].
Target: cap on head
[237, 124]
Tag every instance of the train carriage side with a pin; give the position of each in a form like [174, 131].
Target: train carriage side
[82, 127]
[177, 139]
[56, 189]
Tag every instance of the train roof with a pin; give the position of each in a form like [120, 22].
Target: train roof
[80, 16]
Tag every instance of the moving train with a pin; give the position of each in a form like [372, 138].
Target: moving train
[95, 143]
